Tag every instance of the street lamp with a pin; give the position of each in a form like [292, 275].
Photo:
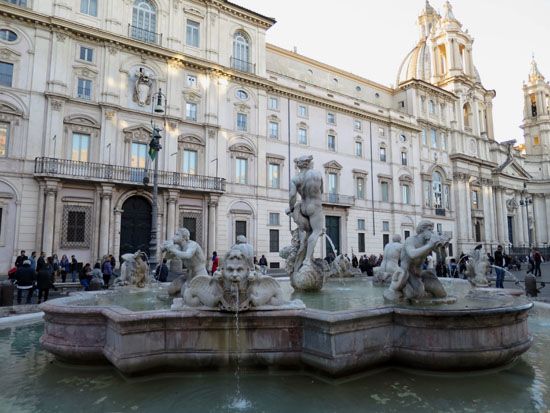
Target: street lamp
[158, 105]
[526, 202]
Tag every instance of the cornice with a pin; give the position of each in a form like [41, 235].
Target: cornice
[471, 159]
[428, 87]
[242, 12]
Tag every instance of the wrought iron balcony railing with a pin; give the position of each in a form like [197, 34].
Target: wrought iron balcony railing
[99, 172]
[337, 199]
[243, 65]
[144, 35]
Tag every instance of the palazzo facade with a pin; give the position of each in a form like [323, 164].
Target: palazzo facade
[83, 82]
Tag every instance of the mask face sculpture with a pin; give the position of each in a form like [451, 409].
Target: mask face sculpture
[409, 281]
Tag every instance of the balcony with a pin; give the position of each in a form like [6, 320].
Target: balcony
[338, 200]
[144, 35]
[440, 212]
[243, 65]
[20, 3]
[98, 172]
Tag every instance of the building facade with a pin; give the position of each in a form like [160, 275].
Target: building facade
[82, 83]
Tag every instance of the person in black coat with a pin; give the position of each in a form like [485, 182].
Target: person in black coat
[26, 278]
[20, 259]
[44, 280]
[161, 273]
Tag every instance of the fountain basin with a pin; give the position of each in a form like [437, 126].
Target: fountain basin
[337, 343]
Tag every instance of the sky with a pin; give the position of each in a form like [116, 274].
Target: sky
[370, 38]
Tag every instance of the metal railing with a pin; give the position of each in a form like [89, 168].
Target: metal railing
[243, 65]
[338, 199]
[87, 171]
[144, 35]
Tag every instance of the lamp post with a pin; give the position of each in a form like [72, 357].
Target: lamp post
[526, 202]
[154, 147]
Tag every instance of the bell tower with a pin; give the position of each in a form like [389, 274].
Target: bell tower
[536, 113]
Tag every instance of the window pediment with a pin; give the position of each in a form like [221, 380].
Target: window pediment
[192, 96]
[7, 109]
[405, 178]
[140, 133]
[359, 173]
[194, 140]
[242, 149]
[384, 177]
[332, 165]
[9, 55]
[242, 108]
[274, 158]
[82, 120]
[194, 12]
[85, 71]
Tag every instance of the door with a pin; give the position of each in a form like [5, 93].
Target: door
[332, 225]
[511, 230]
[135, 227]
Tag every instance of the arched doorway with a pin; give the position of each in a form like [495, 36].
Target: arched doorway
[135, 226]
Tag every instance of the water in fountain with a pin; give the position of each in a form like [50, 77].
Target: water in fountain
[512, 276]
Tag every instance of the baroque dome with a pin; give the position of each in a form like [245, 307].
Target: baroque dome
[416, 65]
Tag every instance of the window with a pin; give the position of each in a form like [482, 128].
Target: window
[192, 33]
[274, 180]
[241, 52]
[401, 104]
[431, 107]
[475, 199]
[424, 137]
[360, 182]
[536, 140]
[190, 160]
[443, 140]
[331, 118]
[81, 147]
[191, 224]
[357, 125]
[76, 227]
[406, 194]
[385, 191]
[88, 7]
[361, 224]
[191, 111]
[381, 132]
[273, 218]
[138, 158]
[385, 239]
[22, 3]
[242, 122]
[6, 74]
[382, 154]
[273, 103]
[386, 226]
[274, 130]
[331, 143]
[403, 158]
[332, 183]
[144, 21]
[439, 229]
[446, 197]
[241, 171]
[302, 136]
[241, 94]
[358, 148]
[191, 81]
[437, 190]
[4, 138]
[302, 111]
[273, 240]
[240, 229]
[433, 135]
[84, 90]
[361, 241]
[87, 54]
[8, 35]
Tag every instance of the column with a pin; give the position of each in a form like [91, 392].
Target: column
[49, 219]
[487, 213]
[520, 215]
[116, 240]
[212, 222]
[461, 211]
[500, 216]
[105, 218]
[171, 214]
[540, 219]
[468, 209]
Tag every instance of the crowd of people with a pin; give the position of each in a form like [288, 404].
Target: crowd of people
[32, 273]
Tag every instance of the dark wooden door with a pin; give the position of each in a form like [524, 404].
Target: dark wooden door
[332, 225]
[135, 228]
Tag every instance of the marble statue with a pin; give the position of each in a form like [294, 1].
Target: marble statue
[409, 281]
[235, 287]
[390, 262]
[305, 272]
[143, 88]
[133, 271]
[190, 253]
[247, 249]
[477, 267]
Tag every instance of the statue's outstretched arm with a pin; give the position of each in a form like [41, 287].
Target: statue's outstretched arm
[418, 252]
[186, 254]
[292, 195]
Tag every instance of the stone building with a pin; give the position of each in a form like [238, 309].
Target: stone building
[82, 83]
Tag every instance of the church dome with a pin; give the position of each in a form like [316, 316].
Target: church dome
[416, 65]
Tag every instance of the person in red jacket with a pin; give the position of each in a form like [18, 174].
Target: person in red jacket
[215, 262]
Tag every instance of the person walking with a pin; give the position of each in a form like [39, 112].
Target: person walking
[107, 270]
[41, 261]
[113, 262]
[499, 263]
[32, 259]
[64, 267]
[20, 259]
[215, 262]
[25, 278]
[44, 280]
[85, 276]
[161, 273]
[55, 264]
[74, 268]
[263, 264]
[537, 260]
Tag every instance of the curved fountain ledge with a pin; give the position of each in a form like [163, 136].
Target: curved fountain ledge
[335, 343]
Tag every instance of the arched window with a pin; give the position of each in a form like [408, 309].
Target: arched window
[241, 52]
[467, 115]
[144, 21]
[437, 190]
[431, 107]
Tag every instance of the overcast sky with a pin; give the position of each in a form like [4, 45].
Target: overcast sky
[371, 38]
